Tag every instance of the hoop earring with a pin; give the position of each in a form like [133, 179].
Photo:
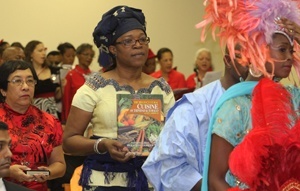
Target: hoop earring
[256, 74]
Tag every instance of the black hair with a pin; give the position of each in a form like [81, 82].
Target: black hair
[1, 51]
[53, 53]
[62, 48]
[3, 44]
[161, 51]
[2, 47]
[3, 126]
[85, 46]
[17, 44]
[9, 67]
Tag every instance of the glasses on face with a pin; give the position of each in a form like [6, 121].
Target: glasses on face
[131, 42]
[20, 82]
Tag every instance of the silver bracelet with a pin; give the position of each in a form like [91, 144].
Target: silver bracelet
[96, 146]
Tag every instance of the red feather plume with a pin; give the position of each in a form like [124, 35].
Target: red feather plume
[269, 156]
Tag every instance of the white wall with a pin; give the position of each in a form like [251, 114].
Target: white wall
[170, 23]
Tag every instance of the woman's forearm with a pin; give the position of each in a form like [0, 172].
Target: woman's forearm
[218, 185]
[57, 169]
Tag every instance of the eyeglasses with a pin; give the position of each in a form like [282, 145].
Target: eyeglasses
[20, 82]
[131, 42]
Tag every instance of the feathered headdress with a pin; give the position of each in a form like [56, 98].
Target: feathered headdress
[251, 24]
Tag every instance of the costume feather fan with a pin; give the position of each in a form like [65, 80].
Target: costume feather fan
[251, 23]
[269, 157]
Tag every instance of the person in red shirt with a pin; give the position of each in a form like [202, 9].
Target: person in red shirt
[203, 64]
[76, 77]
[150, 64]
[174, 78]
[36, 136]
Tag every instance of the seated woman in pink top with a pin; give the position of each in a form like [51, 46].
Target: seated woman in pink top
[203, 64]
[175, 79]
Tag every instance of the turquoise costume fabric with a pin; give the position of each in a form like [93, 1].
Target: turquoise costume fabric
[242, 88]
[233, 128]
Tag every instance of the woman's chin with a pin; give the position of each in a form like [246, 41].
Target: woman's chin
[25, 103]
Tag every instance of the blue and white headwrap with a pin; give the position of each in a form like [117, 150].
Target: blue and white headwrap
[113, 24]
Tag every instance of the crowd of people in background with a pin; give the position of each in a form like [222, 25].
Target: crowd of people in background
[58, 78]
[61, 61]
[62, 116]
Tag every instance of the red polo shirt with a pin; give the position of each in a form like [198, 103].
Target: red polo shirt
[176, 79]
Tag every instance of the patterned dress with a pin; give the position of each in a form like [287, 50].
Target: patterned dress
[98, 95]
[34, 134]
[44, 95]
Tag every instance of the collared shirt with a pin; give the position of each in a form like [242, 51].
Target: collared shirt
[175, 79]
[176, 162]
[2, 186]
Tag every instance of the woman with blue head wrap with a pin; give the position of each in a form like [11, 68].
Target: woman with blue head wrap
[115, 23]
[123, 44]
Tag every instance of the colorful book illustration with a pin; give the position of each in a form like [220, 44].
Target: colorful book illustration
[140, 119]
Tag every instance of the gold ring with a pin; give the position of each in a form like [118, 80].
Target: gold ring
[291, 30]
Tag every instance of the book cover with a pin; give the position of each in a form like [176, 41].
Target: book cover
[139, 119]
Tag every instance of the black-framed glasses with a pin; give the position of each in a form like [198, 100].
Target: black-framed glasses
[20, 82]
[131, 42]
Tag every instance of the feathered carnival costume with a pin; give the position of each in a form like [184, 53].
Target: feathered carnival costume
[250, 23]
[269, 156]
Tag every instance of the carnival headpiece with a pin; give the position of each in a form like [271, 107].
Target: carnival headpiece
[114, 24]
[250, 23]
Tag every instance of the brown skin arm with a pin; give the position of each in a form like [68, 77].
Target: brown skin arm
[197, 186]
[77, 122]
[56, 167]
[220, 151]
[58, 94]
[57, 164]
